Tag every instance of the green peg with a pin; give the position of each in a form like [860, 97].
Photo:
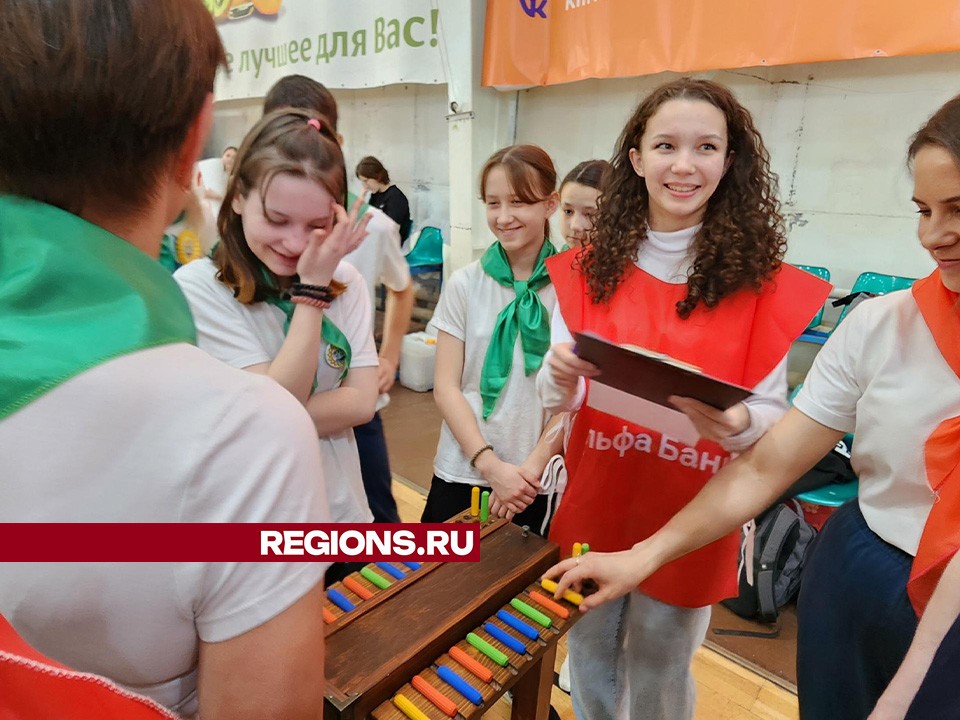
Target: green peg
[487, 649]
[485, 506]
[532, 613]
[379, 580]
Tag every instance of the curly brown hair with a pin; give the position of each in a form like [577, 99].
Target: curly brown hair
[741, 243]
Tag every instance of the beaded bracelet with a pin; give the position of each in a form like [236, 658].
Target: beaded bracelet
[321, 292]
[473, 460]
[311, 301]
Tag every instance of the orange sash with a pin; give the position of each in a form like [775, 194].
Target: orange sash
[941, 533]
[34, 686]
[624, 480]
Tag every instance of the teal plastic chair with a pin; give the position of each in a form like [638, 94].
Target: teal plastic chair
[426, 255]
[810, 334]
[834, 494]
[878, 284]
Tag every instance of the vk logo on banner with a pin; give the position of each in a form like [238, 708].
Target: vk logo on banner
[534, 8]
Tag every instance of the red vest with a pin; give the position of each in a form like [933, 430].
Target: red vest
[941, 533]
[34, 686]
[625, 481]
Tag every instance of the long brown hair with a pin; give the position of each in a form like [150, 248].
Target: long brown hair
[282, 142]
[741, 243]
[530, 171]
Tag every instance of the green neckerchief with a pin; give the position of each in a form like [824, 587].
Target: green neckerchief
[73, 296]
[338, 353]
[524, 316]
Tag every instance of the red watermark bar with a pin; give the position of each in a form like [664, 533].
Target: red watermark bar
[238, 542]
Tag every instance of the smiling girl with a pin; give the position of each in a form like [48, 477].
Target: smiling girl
[685, 260]
[494, 323]
[276, 299]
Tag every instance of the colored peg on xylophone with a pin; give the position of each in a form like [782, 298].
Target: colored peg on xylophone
[460, 685]
[328, 617]
[584, 548]
[577, 549]
[411, 565]
[378, 580]
[390, 570]
[569, 595]
[340, 600]
[532, 613]
[471, 665]
[475, 501]
[519, 625]
[408, 708]
[484, 506]
[505, 638]
[444, 704]
[487, 649]
[545, 602]
[356, 588]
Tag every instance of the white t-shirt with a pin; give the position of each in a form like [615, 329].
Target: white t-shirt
[244, 335]
[380, 260]
[881, 377]
[165, 435]
[468, 309]
[665, 255]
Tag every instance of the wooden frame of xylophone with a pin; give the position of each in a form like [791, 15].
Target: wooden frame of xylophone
[374, 651]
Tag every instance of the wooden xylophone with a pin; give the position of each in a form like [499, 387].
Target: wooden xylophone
[485, 628]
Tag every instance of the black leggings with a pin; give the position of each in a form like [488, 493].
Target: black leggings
[447, 499]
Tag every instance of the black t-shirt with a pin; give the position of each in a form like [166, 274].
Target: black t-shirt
[394, 203]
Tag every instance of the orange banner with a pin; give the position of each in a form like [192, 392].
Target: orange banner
[545, 42]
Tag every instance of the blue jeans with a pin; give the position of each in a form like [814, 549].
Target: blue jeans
[375, 469]
[630, 658]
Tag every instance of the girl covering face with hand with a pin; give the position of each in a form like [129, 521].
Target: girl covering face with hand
[276, 299]
[685, 260]
[494, 323]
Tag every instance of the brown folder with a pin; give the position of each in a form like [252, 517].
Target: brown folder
[653, 376]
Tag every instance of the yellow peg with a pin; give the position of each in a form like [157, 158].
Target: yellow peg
[475, 501]
[569, 595]
[577, 550]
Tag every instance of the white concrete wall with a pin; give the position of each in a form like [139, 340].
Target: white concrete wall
[837, 135]
[403, 125]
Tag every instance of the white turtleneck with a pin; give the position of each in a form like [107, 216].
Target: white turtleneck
[665, 255]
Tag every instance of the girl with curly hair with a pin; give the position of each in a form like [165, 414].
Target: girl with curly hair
[684, 259]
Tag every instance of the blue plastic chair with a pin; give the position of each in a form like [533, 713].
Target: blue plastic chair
[878, 284]
[834, 494]
[426, 255]
[812, 335]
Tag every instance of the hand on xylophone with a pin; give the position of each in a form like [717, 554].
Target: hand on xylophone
[464, 682]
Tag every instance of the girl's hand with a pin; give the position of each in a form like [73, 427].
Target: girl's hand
[566, 368]
[326, 248]
[614, 574]
[513, 487]
[713, 424]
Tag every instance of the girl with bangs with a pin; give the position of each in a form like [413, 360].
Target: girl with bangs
[685, 260]
[494, 323]
[276, 299]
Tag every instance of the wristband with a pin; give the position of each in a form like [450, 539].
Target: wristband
[473, 460]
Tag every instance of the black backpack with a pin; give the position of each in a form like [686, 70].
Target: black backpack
[770, 577]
